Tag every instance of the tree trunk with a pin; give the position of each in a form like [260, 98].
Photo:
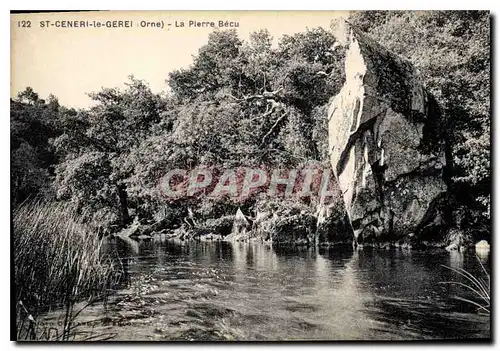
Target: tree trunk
[122, 195]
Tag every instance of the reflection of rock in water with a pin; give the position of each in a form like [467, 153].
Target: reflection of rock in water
[239, 259]
[265, 257]
[408, 296]
[339, 290]
[456, 259]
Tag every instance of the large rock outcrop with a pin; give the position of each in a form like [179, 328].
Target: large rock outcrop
[385, 143]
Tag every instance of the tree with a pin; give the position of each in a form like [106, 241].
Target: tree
[242, 104]
[33, 124]
[239, 104]
[95, 146]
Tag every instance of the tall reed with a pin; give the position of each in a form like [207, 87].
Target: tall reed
[58, 262]
[479, 286]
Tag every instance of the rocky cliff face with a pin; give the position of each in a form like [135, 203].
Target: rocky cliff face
[385, 143]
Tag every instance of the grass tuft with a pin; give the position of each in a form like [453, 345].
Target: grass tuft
[58, 262]
[480, 286]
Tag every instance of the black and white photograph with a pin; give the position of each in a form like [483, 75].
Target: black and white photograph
[252, 176]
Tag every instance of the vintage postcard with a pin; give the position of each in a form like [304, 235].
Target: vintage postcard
[250, 175]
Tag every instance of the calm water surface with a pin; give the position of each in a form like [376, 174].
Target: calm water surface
[224, 291]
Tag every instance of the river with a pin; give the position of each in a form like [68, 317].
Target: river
[241, 291]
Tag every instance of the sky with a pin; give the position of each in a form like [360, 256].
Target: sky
[71, 62]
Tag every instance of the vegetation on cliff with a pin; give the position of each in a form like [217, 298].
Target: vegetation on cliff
[451, 49]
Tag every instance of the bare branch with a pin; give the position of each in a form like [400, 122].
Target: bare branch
[273, 127]
[266, 95]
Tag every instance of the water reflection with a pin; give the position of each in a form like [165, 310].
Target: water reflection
[213, 291]
[456, 259]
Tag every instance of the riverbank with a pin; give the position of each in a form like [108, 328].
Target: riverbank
[297, 226]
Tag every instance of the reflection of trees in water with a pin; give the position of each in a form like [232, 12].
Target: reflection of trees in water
[239, 260]
[205, 254]
[126, 246]
[261, 257]
[246, 257]
[121, 251]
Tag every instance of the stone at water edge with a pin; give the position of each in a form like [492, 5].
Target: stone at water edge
[240, 227]
[483, 246]
[385, 142]
[483, 250]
